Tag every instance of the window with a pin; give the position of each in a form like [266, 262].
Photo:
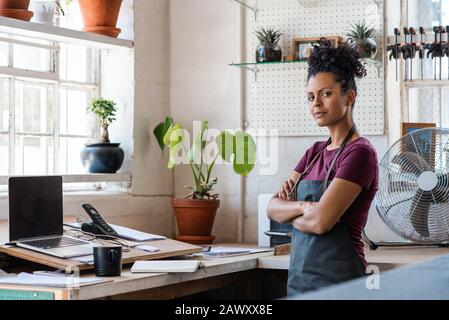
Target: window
[45, 89]
[428, 100]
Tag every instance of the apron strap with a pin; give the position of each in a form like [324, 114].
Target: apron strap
[310, 165]
[345, 142]
[292, 194]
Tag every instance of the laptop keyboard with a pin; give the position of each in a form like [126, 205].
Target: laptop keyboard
[58, 242]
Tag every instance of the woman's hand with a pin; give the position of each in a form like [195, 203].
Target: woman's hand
[286, 190]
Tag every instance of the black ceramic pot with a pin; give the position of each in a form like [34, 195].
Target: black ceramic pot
[367, 48]
[102, 157]
[268, 52]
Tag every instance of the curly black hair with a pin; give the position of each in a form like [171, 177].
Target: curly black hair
[342, 61]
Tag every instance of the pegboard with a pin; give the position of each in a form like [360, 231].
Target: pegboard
[277, 98]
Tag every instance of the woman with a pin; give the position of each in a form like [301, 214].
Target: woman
[328, 195]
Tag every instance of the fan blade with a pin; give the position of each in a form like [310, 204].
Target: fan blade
[400, 186]
[420, 212]
[441, 192]
[411, 162]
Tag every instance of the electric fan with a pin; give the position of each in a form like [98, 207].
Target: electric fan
[413, 195]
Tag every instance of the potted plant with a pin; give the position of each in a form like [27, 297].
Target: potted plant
[103, 157]
[195, 213]
[100, 16]
[17, 9]
[361, 36]
[268, 49]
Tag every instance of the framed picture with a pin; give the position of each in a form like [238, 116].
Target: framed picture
[408, 127]
[302, 47]
[423, 144]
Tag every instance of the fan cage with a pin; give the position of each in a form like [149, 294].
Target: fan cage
[408, 210]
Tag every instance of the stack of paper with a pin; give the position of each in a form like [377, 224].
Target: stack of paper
[165, 266]
[49, 281]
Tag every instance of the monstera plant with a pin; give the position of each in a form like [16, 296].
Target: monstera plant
[195, 213]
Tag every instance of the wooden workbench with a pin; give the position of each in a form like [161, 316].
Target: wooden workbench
[219, 273]
[385, 258]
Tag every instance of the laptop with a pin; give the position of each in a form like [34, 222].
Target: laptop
[36, 217]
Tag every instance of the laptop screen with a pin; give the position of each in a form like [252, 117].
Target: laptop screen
[35, 207]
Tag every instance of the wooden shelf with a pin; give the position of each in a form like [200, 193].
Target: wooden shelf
[53, 33]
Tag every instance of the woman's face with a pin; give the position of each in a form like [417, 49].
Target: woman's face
[327, 104]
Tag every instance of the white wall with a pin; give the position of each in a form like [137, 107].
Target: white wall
[205, 38]
[139, 82]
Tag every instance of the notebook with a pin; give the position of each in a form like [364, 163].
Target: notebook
[165, 266]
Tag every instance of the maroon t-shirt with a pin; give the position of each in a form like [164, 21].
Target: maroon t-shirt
[357, 163]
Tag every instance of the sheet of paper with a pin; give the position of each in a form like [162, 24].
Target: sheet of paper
[85, 259]
[148, 248]
[128, 233]
[222, 252]
[48, 281]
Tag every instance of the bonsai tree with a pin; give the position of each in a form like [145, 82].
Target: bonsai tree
[361, 35]
[105, 110]
[269, 49]
[240, 149]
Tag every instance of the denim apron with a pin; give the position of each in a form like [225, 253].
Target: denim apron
[321, 260]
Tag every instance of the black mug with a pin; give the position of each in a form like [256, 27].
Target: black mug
[108, 261]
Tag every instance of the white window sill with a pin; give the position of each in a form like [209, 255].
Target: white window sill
[58, 34]
[87, 178]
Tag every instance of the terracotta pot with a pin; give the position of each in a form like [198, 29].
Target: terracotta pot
[99, 16]
[14, 4]
[16, 9]
[195, 219]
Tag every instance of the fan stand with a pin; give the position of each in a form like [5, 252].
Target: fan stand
[373, 245]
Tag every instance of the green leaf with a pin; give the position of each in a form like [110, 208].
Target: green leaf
[160, 130]
[198, 142]
[268, 35]
[204, 127]
[226, 145]
[245, 157]
[242, 146]
[173, 139]
[104, 109]
[360, 30]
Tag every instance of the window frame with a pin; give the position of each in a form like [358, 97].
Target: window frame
[51, 79]
[405, 86]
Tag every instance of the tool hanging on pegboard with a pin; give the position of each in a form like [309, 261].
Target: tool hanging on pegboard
[408, 51]
[434, 51]
[395, 50]
[421, 51]
[441, 30]
[445, 49]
